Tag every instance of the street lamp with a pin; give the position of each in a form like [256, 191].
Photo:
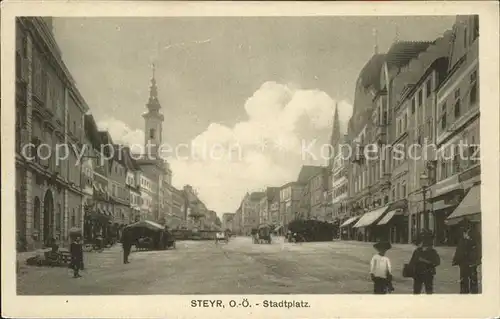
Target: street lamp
[424, 182]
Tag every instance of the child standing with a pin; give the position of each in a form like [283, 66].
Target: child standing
[380, 269]
[423, 262]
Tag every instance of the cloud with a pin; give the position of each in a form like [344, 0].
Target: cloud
[264, 150]
[280, 120]
[121, 133]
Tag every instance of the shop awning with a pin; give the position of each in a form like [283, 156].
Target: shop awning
[440, 205]
[370, 217]
[349, 221]
[470, 207]
[387, 218]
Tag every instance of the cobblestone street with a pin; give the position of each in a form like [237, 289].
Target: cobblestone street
[239, 267]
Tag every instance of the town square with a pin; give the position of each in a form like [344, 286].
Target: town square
[255, 155]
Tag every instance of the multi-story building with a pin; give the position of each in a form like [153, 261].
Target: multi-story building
[265, 209]
[196, 210]
[372, 128]
[49, 110]
[250, 211]
[274, 207]
[413, 96]
[290, 198]
[237, 221]
[132, 187]
[338, 190]
[178, 209]
[148, 191]
[457, 121]
[318, 187]
[119, 194]
[228, 221]
[95, 176]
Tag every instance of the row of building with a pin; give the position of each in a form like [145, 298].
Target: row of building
[94, 184]
[418, 97]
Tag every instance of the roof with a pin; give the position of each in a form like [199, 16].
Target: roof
[402, 52]
[307, 172]
[370, 73]
[257, 195]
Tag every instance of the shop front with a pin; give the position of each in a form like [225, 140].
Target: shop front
[469, 208]
[393, 226]
[366, 225]
[347, 232]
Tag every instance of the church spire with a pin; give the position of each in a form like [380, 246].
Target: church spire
[336, 124]
[153, 103]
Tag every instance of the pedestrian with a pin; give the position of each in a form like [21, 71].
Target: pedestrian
[468, 257]
[380, 269]
[76, 251]
[423, 263]
[127, 245]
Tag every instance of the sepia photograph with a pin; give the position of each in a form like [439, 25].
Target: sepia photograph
[248, 155]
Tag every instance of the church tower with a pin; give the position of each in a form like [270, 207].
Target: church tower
[153, 120]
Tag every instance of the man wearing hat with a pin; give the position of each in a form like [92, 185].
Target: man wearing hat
[468, 257]
[380, 269]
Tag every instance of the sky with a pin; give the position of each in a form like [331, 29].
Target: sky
[259, 92]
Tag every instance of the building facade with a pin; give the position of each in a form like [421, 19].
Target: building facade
[49, 110]
[457, 124]
[228, 221]
[250, 211]
[290, 198]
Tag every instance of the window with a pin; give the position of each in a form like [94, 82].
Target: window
[473, 90]
[456, 159]
[428, 87]
[413, 106]
[405, 122]
[152, 133]
[73, 218]
[443, 117]
[444, 173]
[457, 109]
[74, 127]
[473, 152]
[457, 93]
[420, 97]
[393, 194]
[403, 190]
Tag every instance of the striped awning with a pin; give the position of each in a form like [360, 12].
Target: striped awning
[371, 217]
[470, 207]
[387, 218]
[349, 221]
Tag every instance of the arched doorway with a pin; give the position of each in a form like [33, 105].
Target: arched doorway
[48, 216]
